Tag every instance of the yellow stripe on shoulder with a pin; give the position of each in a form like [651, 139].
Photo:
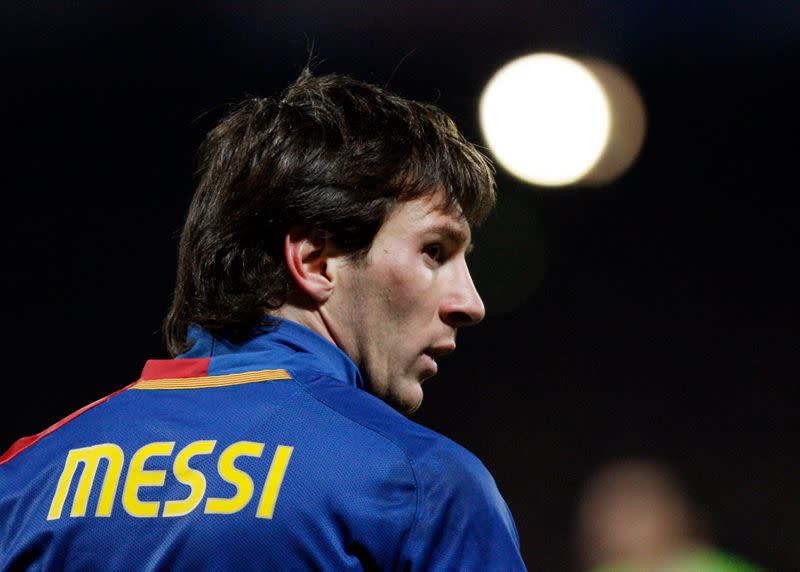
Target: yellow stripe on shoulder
[214, 380]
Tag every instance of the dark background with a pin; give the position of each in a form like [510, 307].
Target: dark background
[653, 316]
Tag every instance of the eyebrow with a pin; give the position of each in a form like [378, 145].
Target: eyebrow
[454, 233]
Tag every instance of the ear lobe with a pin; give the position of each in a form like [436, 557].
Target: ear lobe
[306, 253]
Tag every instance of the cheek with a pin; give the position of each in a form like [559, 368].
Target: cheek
[406, 289]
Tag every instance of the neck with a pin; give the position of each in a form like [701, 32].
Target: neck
[311, 319]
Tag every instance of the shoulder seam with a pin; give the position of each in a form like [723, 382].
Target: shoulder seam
[380, 433]
[24, 442]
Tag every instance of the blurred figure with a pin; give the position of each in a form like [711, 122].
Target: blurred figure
[634, 516]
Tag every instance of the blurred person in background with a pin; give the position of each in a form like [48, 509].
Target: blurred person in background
[634, 515]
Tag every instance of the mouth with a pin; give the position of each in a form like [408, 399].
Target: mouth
[440, 350]
[432, 353]
[429, 366]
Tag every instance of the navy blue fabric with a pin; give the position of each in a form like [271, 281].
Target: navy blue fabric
[364, 488]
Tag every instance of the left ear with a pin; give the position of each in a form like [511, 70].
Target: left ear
[308, 256]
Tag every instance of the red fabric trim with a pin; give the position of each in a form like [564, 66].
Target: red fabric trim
[175, 368]
[25, 442]
[153, 369]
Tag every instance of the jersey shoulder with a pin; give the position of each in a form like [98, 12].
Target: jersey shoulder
[446, 474]
[460, 518]
[420, 445]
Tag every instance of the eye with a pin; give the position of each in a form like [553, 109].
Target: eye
[435, 252]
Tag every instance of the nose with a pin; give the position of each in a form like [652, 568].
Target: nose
[463, 305]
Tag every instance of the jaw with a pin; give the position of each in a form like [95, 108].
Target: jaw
[409, 399]
[401, 391]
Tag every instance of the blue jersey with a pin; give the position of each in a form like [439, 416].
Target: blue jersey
[264, 455]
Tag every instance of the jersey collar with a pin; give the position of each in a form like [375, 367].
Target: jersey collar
[283, 343]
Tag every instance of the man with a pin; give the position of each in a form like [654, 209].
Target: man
[321, 273]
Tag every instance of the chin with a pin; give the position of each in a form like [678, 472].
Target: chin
[413, 408]
[403, 393]
[408, 399]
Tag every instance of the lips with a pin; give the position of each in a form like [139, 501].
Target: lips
[440, 350]
[429, 366]
[431, 353]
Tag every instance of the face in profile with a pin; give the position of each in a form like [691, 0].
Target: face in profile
[398, 310]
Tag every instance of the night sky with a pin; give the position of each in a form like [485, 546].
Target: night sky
[654, 316]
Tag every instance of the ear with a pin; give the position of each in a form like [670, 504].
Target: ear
[307, 255]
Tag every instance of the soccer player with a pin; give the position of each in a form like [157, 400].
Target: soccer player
[321, 274]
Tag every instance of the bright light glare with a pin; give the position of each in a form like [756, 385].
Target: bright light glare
[545, 118]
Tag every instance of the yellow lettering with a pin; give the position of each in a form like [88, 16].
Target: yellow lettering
[272, 486]
[138, 477]
[238, 478]
[90, 457]
[87, 460]
[188, 476]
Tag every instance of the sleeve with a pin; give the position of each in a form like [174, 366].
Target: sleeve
[461, 521]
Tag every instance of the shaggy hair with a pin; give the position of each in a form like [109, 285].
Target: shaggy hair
[333, 155]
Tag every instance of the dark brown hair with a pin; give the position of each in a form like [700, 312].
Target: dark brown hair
[334, 154]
